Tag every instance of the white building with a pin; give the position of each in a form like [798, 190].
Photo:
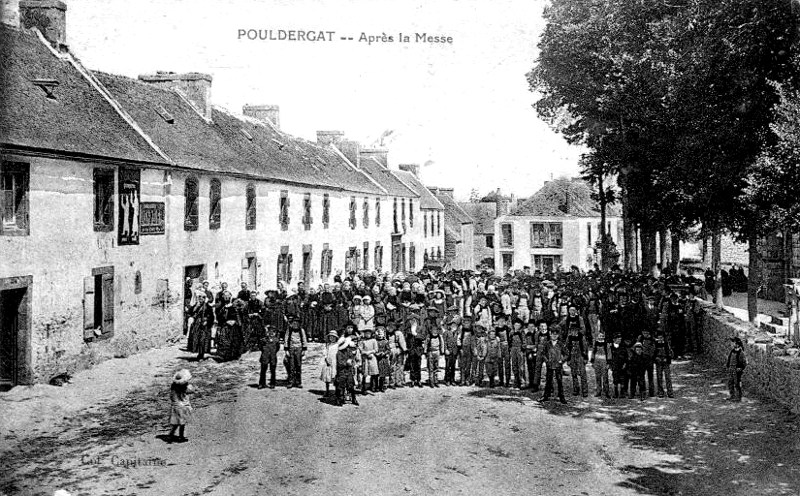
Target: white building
[116, 191]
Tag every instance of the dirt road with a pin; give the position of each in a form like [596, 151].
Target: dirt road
[450, 440]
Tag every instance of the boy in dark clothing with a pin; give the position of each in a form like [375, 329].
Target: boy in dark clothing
[554, 359]
[737, 361]
[648, 351]
[619, 361]
[636, 370]
[601, 356]
[663, 359]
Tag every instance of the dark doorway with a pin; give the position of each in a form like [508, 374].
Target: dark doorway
[192, 275]
[14, 337]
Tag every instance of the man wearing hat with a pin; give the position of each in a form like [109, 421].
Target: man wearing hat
[270, 344]
[451, 337]
[737, 361]
[465, 359]
[415, 339]
[347, 361]
[295, 344]
[434, 347]
[637, 365]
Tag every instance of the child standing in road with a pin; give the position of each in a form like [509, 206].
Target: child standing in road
[328, 366]
[735, 365]
[181, 407]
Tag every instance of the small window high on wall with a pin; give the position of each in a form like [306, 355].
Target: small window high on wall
[103, 200]
[215, 204]
[14, 203]
[192, 204]
[250, 214]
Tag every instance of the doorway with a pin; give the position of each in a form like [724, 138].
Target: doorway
[14, 332]
[192, 275]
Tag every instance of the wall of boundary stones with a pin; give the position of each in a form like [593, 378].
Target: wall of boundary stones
[773, 367]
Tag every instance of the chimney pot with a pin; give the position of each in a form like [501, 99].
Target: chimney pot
[48, 16]
[10, 13]
[328, 137]
[351, 150]
[196, 86]
[265, 113]
[412, 168]
[380, 154]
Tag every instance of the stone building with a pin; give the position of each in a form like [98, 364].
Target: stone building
[429, 225]
[483, 215]
[780, 261]
[459, 234]
[119, 194]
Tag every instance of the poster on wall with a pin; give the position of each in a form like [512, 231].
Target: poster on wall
[129, 208]
[151, 218]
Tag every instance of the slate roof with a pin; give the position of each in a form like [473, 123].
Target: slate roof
[384, 177]
[426, 198]
[78, 121]
[230, 143]
[563, 198]
[483, 214]
[452, 210]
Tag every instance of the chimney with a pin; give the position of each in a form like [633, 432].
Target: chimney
[378, 153]
[351, 150]
[10, 13]
[195, 86]
[327, 137]
[264, 113]
[448, 192]
[412, 168]
[49, 16]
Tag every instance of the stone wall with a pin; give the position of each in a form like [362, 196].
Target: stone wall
[773, 369]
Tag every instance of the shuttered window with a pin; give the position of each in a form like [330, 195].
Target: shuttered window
[14, 202]
[215, 204]
[192, 204]
[250, 212]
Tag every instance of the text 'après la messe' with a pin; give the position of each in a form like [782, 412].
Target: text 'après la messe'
[328, 36]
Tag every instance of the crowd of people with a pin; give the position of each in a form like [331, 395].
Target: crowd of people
[469, 328]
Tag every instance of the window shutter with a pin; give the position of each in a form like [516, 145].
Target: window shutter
[289, 269]
[108, 304]
[88, 307]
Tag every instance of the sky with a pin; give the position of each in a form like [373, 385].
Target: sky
[463, 108]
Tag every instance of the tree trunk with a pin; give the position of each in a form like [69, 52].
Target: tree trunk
[663, 246]
[604, 258]
[753, 279]
[636, 261]
[716, 266]
[629, 232]
[648, 248]
[706, 250]
[676, 254]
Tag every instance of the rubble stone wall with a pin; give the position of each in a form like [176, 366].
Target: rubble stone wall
[773, 368]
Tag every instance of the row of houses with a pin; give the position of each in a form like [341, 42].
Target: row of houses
[116, 191]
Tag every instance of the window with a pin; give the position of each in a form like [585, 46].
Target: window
[412, 257]
[508, 261]
[411, 213]
[507, 232]
[366, 213]
[546, 263]
[352, 212]
[546, 235]
[351, 260]
[425, 256]
[403, 214]
[438, 223]
[425, 224]
[377, 212]
[307, 221]
[215, 204]
[285, 265]
[394, 211]
[250, 214]
[103, 200]
[490, 241]
[589, 233]
[326, 210]
[192, 204]
[283, 211]
[438, 253]
[98, 304]
[327, 262]
[14, 189]
[378, 256]
[366, 255]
